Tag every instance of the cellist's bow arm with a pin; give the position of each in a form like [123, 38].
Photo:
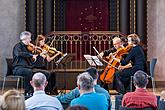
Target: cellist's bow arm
[101, 54]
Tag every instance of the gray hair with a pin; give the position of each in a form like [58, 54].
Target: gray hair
[140, 79]
[85, 81]
[39, 79]
[24, 35]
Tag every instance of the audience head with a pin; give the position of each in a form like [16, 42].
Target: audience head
[140, 79]
[133, 39]
[85, 82]
[13, 100]
[77, 108]
[39, 81]
[93, 72]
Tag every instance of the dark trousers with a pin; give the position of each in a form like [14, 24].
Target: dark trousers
[122, 80]
[27, 73]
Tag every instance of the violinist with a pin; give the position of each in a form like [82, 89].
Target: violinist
[23, 61]
[48, 52]
[134, 61]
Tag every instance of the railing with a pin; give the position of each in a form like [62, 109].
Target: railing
[79, 43]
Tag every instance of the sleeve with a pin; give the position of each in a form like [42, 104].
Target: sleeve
[107, 52]
[129, 57]
[19, 51]
[67, 98]
[123, 101]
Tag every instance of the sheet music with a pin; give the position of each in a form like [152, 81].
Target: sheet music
[97, 61]
[90, 60]
[93, 60]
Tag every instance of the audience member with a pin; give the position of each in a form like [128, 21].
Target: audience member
[67, 98]
[40, 100]
[140, 98]
[88, 97]
[12, 100]
[77, 108]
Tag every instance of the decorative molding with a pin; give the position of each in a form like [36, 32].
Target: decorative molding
[118, 15]
[38, 13]
[24, 14]
[41, 17]
[54, 25]
[134, 16]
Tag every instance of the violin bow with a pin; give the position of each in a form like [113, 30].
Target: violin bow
[52, 41]
[103, 59]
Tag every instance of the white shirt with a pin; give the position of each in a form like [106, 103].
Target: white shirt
[40, 101]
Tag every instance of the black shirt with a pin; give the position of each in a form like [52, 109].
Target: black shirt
[136, 56]
[21, 56]
[107, 52]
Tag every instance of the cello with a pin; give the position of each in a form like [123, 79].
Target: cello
[108, 74]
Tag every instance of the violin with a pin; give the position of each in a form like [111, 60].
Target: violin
[108, 73]
[51, 51]
[34, 49]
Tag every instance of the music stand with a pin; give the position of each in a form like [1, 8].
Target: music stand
[64, 60]
[93, 60]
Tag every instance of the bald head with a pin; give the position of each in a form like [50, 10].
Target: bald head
[38, 80]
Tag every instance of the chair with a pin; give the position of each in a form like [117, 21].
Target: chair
[9, 74]
[161, 105]
[126, 108]
[152, 68]
[118, 101]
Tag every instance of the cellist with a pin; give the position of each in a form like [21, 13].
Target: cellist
[118, 43]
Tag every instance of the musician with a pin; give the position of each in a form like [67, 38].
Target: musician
[47, 55]
[46, 49]
[23, 61]
[134, 61]
[117, 44]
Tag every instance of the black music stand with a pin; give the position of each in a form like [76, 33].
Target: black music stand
[64, 60]
[93, 61]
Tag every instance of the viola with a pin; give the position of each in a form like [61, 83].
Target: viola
[108, 73]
